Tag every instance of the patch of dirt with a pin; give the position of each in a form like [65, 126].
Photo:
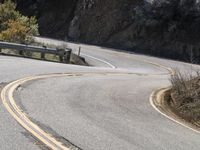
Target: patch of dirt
[75, 59]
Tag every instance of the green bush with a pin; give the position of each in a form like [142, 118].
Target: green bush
[14, 27]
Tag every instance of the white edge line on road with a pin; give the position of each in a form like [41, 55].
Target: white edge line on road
[153, 94]
[105, 62]
[158, 95]
[38, 39]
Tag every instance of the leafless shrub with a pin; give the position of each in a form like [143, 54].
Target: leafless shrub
[182, 82]
[185, 93]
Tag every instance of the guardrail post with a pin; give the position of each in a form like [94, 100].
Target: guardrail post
[43, 53]
[60, 53]
[24, 50]
[21, 52]
[60, 58]
[79, 51]
[67, 55]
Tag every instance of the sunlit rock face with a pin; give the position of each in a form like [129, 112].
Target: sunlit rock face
[168, 28]
[98, 21]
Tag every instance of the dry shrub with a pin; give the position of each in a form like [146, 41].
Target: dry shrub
[14, 27]
[16, 32]
[185, 94]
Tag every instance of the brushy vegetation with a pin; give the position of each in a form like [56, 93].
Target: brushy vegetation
[14, 27]
[185, 95]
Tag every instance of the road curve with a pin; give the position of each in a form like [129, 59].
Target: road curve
[94, 108]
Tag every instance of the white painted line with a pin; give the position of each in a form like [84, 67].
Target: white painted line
[107, 63]
[158, 95]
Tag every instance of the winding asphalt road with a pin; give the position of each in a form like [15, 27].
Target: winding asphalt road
[104, 107]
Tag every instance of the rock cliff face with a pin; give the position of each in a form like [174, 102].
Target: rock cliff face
[168, 28]
[99, 20]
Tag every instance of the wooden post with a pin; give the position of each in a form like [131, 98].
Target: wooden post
[43, 53]
[21, 52]
[61, 58]
[60, 53]
[79, 51]
[67, 55]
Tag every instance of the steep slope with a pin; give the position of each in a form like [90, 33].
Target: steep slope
[98, 20]
[54, 17]
[168, 28]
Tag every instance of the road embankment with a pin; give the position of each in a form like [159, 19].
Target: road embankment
[162, 101]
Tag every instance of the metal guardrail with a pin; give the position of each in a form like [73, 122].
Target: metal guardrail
[64, 54]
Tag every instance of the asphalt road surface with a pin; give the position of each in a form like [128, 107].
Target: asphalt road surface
[103, 107]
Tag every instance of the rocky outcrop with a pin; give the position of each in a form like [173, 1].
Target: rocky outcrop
[168, 28]
[98, 20]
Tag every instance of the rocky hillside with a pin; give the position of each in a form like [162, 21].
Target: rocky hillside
[54, 16]
[168, 28]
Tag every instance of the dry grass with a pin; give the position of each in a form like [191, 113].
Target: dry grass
[34, 55]
[74, 59]
[185, 94]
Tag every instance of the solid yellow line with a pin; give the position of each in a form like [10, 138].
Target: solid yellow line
[12, 87]
[12, 101]
[22, 123]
